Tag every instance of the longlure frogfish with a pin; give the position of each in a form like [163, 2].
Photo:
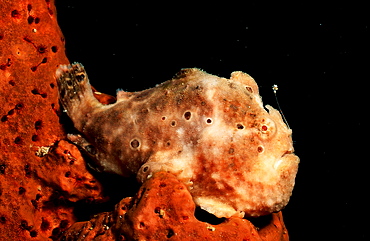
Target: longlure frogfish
[214, 134]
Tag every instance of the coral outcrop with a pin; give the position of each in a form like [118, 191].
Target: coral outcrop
[40, 174]
[43, 177]
[164, 210]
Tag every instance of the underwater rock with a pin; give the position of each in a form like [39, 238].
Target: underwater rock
[164, 210]
[37, 190]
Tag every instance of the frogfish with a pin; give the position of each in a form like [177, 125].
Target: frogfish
[234, 155]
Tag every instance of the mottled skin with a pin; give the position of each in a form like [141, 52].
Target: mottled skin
[213, 133]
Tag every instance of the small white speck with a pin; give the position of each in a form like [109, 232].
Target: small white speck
[275, 88]
[34, 30]
[210, 228]
[42, 151]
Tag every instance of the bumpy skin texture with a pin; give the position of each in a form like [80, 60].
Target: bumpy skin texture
[213, 133]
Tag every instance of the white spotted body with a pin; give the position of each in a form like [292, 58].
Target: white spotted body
[212, 133]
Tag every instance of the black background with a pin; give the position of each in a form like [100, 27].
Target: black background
[318, 55]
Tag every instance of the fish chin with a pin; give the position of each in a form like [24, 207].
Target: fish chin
[286, 162]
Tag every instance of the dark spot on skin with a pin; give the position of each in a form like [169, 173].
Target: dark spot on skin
[29, 7]
[135, 143]
[91, 149]
[164, 118]
[240, 126]
[264, 128]
[209, 121]
[173, 123]
[187, 115]
[145, 169]
[12, 82]
[2, 219]
[4, 118]
[260, 149]
[141, 225]
[52, 85]
[249, 89]
[37, 20]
